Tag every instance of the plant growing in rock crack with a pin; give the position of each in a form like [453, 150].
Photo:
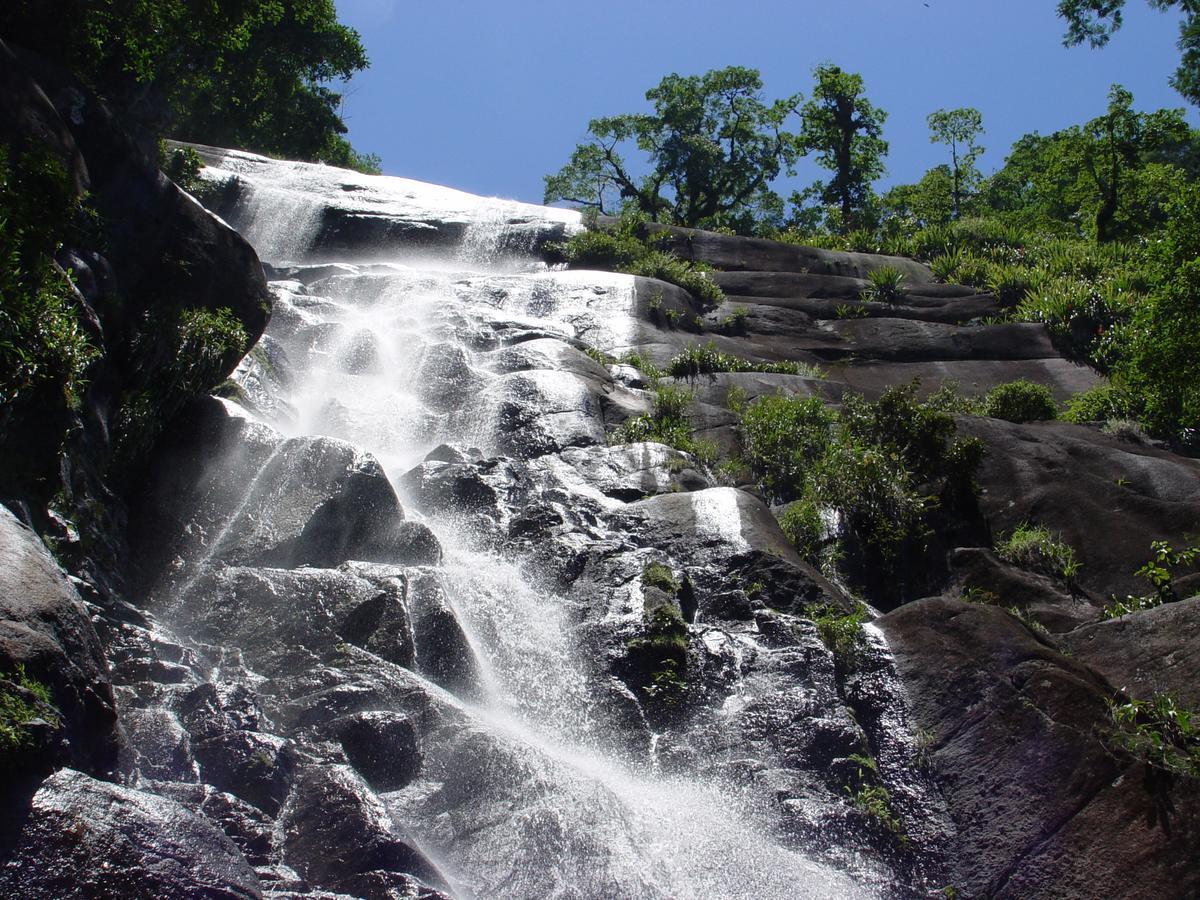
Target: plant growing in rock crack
[1158, 732]
[1157, 571]
[658, 656]
[23, 700]
[706, 359]
[842, 633]
[667, 423]
[1033, 547]
[735, 322]
[868, 795]
[884, 285]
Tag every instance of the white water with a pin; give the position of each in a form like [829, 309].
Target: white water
[398, 359]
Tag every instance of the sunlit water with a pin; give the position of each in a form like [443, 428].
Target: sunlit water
[398, 357]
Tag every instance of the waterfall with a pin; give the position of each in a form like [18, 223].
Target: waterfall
[470, 355]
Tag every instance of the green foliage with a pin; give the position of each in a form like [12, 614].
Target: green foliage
[958, 129]
[1157, 732]
[735, 322]
[882, 467]
[22, 700]
[1157, 571]
[182, 165]
[660, 576]
[659, 653]
[1102, 403]
[1095, 21]
[871, 797]
[44, 350]
[711, 149]
[842, 633]
[1159, 363]
[706, 359]
[802, 524]
[247, 73]
[1020, 401]
[1033, 547]
[630, 247]
[884, 285]
[191, 352]
[845, 130]
[668, 423]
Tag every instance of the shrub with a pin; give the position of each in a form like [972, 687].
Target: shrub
[842, 633]
[667, 423]
[1102, 403]
[44, 350]
[1157, 571]
[884, 285]
[882, 467]
[22, 700]
[801, 523]
[1020, 401]
[182, 165]
[1034, 547]
[1157, 732]
[631, 248]
[706, 359]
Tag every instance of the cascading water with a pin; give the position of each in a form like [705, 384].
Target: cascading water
[525, 794]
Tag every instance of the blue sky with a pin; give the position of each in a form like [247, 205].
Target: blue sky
[490, 96]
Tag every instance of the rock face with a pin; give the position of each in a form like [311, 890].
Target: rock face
[45, 628]
[85, 837]
[1040, 806]
[153, 255]
[403, 622]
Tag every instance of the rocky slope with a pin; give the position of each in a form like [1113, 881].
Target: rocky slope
[401, 622]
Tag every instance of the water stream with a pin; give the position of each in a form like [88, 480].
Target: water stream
[398, 354]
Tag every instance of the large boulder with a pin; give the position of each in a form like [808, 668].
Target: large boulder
[1108, 497]
[88, 838]
[156, 254]
[223, 489]
[45, 628]
[1041, 805]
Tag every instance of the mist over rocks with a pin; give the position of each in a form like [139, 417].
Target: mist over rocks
[405, 621]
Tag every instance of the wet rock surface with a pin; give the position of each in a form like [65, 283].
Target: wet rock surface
[406, 624]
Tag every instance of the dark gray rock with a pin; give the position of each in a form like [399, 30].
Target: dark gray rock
[45, 628]
[384, 748]
[1107, 498]
[87, 838]
[444, 654]
[334, 829]
[1040, 806]
[233, 754]
[282, 617]
[247, 496]
[1148, 652]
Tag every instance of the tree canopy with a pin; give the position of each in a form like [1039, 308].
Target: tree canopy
[709, 151]
[1095, 22]
[845, 131]
[958, 129]
[247, 73]
[1110, 177]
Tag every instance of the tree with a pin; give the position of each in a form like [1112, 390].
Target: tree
[843, 129]
[920, 205]
[712, 147]
[1095, 21]
[1161, 365]
[254, 74]
[958, 129]
[1111, 176]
